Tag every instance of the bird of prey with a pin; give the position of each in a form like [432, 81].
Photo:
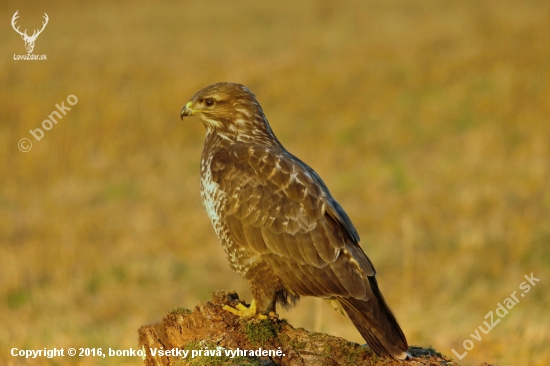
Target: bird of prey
[280, 227]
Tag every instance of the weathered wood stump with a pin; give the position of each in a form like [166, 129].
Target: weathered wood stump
[209, 335]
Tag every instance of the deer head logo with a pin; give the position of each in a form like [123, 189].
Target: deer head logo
[29, 41]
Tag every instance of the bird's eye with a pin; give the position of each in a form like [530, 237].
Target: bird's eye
[209, 102]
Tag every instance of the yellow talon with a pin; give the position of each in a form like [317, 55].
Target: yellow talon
[244, 311]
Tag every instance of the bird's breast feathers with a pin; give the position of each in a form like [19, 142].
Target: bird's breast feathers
[214, 199]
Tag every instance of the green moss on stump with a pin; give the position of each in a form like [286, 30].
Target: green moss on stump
[180, 310]
[262, 331]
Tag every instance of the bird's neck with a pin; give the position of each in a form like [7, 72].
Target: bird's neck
[256, 134]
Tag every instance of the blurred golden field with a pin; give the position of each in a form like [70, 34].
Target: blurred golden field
[428, 120]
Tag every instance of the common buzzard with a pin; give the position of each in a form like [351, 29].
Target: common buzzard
[280, 227]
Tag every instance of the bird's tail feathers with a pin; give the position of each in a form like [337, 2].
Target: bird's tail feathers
[377, 324]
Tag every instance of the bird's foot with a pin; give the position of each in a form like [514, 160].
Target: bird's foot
[244, 311]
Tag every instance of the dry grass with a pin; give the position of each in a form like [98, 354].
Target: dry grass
[427, 119]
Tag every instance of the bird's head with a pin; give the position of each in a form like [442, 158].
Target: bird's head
[228, 110]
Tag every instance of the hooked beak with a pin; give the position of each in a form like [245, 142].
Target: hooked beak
[186, 111]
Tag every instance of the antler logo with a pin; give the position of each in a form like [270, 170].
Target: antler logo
[29, 41]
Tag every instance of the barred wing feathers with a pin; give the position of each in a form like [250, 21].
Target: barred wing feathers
[276, 207]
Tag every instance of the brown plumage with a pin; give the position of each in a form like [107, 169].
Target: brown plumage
[278, 223]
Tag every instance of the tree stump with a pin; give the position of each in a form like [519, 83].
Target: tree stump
[209, 335]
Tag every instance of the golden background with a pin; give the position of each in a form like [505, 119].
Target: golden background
[428, 120]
